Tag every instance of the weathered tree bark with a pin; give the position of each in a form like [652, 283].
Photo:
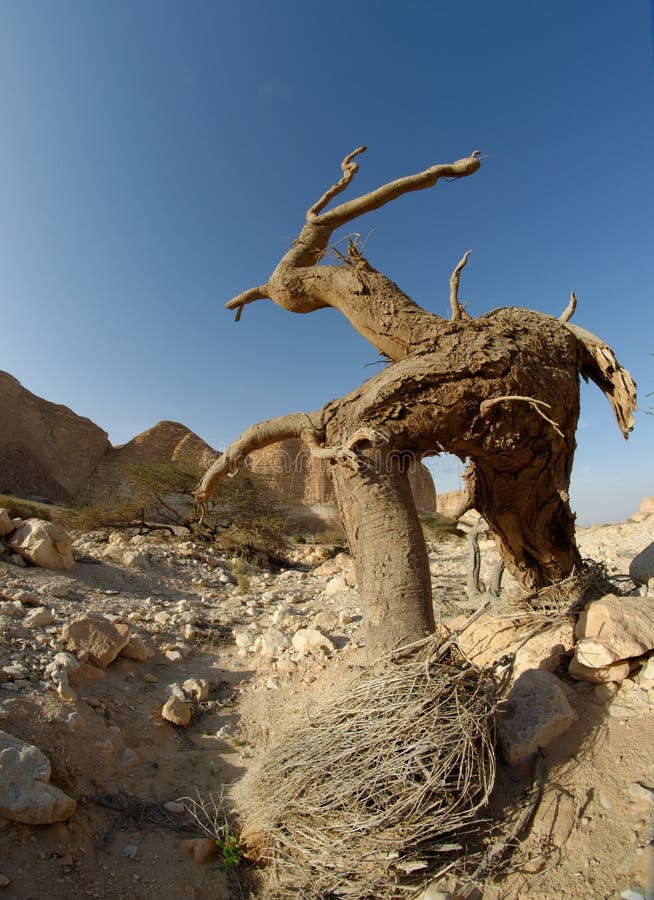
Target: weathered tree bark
[501, 391]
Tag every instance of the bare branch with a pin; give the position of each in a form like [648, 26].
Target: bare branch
[457, 310]
[306, 426]
[256, 293]
[485, 405]
[350, 169]
[352, 209]
[600, 365]
[569, 311]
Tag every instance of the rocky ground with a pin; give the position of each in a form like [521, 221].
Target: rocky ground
[101, 666]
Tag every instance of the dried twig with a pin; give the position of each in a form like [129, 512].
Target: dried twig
[376, 792]
[508, 840]
[568, 312]
[485, 405]
[457, 309]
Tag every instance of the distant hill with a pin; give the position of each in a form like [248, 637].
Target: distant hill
[48, 451]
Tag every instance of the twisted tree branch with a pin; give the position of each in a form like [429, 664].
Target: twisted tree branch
[352, 209]
[601, 366]
[350, 169]
[568, 312]
[457, 310]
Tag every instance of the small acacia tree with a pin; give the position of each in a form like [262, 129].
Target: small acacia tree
[501, 390]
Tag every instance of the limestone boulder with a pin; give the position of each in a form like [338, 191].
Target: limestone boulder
[271, 644]
[176, 711]
[6, 524]
[25, 794]
[535, 712]
[614, 628]
[43, 544]
[641, 568]
[94, 639]
[545, 650]
[614, 672]
[311, 640]
[137, 649]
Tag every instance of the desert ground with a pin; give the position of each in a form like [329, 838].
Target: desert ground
[200, 615]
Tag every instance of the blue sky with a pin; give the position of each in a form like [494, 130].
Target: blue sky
[157, 158]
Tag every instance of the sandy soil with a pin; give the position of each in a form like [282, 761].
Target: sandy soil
[112, 751]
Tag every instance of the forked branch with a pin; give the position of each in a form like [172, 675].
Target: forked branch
[256, 293]
[306, 426]
[350, 169]
[352, 209]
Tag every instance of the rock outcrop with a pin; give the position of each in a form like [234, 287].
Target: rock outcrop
[43, 544]
[165, 442]
[295, 479]
[25, 793]
[46, 449]
[449, 502]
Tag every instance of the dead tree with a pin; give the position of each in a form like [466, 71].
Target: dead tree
[501, 391]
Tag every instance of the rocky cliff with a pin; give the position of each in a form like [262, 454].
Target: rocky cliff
[46, 449]
[165, 442]
[292, 476]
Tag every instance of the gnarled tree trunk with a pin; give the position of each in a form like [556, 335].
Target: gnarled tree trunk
[501, 390]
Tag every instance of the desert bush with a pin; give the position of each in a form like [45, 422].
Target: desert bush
[28, 509]
[245, 521]
[141, 500]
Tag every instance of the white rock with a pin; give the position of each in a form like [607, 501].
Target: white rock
[43, 544]
[614, 628]
[271, 643]
[535, 712]
[641, 792]
[336, 585]
[39, 616]
[176, 711]
[174, 807]
[6, 525]
[11, 608]
[197, 688]
[25, 795]
[648, 671]
[641, 568]
[616, 671]
[310, 640]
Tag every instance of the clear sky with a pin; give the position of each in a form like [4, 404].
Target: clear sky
[158, 157]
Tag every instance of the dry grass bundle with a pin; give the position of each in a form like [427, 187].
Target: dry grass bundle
[374, 794]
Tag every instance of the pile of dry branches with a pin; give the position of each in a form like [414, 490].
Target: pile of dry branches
[375, 793]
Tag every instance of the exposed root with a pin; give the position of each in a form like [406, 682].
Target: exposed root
[380, 790]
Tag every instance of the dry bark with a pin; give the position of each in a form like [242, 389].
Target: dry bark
[501, 390]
